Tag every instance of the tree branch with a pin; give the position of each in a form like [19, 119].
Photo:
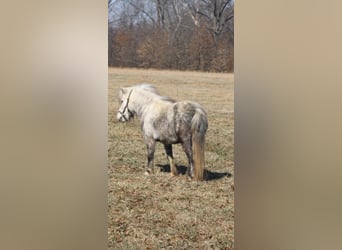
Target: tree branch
[143, 11]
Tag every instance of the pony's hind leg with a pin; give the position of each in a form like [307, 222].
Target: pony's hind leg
[150, 144]
[173, 168]
[188, 151]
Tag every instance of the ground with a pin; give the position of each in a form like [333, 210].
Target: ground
[160, 211]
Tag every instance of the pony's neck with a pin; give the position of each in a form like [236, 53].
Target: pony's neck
[142, 100]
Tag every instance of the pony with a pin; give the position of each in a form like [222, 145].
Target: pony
[169, 122]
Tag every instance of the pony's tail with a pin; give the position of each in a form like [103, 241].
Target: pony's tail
[199, 126]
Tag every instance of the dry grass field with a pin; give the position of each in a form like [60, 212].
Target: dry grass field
[160, 211]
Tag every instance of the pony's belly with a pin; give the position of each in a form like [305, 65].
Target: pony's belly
[166, 140]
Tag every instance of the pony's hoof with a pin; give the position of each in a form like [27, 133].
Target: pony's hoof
[147, 173]
[174, 174]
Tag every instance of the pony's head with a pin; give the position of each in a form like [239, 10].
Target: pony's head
[124, 113]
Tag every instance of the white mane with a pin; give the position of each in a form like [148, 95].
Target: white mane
[150, 88]
[146, 87]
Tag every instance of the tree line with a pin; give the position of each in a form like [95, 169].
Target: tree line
[171, 34]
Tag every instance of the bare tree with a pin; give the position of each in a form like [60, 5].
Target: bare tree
[176, 34]
[216, 13]
[114, 9]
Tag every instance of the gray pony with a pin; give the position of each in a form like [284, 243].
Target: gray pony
[169, 122]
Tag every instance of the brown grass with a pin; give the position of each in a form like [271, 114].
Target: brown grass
[160, 211]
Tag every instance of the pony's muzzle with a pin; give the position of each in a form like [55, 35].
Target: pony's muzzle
[121, 117]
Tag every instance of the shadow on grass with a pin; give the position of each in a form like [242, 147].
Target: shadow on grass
[208, 175]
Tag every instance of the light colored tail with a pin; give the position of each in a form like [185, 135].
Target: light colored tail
[199, 126]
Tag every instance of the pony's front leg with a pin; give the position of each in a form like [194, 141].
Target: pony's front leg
[151, 145]
[173, 168]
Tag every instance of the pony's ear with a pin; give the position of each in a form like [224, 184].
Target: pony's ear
[122, 91]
